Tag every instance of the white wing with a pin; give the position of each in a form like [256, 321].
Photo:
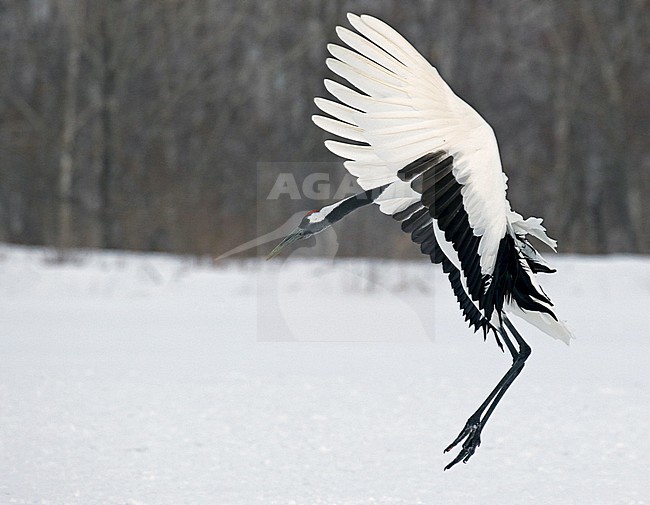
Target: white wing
[401, 111]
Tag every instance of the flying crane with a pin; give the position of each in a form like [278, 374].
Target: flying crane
[429, 160]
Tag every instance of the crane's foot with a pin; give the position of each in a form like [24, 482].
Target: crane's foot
[471, 433]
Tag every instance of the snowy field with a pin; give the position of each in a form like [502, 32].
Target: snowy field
[133, 379]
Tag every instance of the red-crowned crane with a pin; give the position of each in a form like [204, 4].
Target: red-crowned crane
[429, 160]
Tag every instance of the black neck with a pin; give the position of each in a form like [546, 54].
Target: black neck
[355, 202]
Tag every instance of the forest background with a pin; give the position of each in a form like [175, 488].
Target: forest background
[164, 125]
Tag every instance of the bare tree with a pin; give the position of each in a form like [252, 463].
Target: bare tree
[72, 13]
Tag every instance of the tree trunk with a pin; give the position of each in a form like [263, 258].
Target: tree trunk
[107, 99]
[72, 11]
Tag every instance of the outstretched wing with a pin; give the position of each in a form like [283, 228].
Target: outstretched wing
[409, 129]
[417, 221]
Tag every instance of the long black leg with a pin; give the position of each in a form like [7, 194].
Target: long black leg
[471, 432]
[474, 422]
[509, 344]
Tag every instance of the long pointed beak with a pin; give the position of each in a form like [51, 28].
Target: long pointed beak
[294, 236]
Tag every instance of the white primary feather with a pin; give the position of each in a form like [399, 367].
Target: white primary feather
[544, 322]
[531, 226]
[406, 110]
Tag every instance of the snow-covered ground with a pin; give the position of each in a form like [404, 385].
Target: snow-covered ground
[150, 379]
